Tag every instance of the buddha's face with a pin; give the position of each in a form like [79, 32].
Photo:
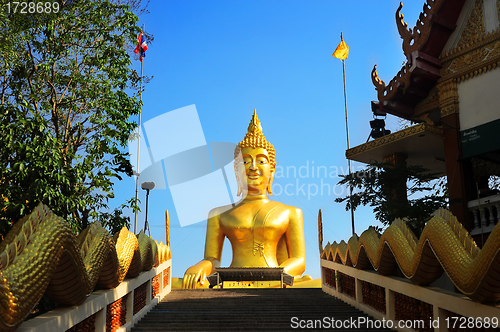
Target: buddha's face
[257, 170]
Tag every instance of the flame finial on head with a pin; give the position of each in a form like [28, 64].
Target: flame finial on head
[256, 139]
[254, 125]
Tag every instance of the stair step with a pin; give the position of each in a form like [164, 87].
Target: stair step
[247, 310]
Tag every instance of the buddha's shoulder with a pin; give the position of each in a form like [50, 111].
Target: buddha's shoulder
[291, 209]
[220, 210]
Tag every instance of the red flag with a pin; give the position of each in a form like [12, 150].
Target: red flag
[142, 47]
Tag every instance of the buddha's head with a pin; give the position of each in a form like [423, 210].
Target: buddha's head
[255, 162]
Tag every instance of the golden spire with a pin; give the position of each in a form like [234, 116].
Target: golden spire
[256, 139]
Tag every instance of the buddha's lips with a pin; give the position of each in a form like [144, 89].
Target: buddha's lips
[253, 175]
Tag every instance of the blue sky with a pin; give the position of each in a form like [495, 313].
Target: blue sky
[229, 57]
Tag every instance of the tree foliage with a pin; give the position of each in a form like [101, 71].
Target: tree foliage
[375, 186]
[65, 95]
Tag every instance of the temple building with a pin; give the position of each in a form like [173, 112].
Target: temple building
[449, 88]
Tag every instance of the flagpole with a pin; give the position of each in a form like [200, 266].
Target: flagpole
[138, 149]
[347, 131]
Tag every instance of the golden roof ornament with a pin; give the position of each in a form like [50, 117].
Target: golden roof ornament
[256, 139]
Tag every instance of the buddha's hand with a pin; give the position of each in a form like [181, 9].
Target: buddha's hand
[196, 274]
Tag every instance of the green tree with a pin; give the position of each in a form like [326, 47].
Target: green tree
[375, 186]
[66, 105]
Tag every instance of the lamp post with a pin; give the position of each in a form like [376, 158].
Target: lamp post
[147, 186]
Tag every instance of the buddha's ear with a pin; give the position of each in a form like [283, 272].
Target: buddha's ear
[237, 163]
[270, 184]
[241, 181]
[239, 184]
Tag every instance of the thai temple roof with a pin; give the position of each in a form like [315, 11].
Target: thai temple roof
[422, 46]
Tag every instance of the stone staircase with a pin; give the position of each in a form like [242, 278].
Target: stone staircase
[252, 310]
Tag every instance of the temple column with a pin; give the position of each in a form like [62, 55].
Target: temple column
[399, 191]
[458, 172]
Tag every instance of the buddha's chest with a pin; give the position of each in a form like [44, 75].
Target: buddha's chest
[244, 222]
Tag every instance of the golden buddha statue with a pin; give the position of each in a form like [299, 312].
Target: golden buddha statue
[263, 233]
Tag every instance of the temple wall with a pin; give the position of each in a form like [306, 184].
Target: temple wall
[117, 309]
[479, 99]
[388, 298]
